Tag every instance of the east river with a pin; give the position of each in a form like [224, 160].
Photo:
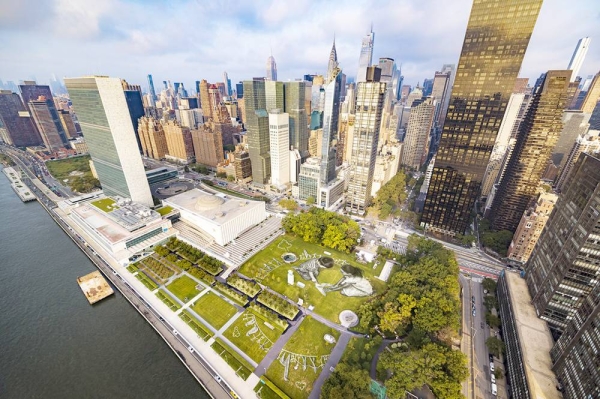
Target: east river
[53, 344]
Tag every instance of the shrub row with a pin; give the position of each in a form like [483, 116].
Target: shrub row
[248, 287]
[268, 315]
[278, 304]
[233, 294]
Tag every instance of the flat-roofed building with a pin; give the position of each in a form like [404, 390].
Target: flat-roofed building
[528, 342]
[218, 218]
[120, 226]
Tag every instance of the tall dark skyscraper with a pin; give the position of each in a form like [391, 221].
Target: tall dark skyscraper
[151, 88]
[295, 93]
[564, 266]
[497, 36]
[133, 96]
[16, 120]
[32, 91]
[537, 136]
[257, 123]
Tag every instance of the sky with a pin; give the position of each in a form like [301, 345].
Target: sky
[189, 40]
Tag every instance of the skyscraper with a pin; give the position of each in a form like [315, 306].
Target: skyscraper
[205, 100]
[279, 142]
[564, 265]
[575, 354]
[48, 123]
[179, 141]
[227, 83]
[589, 143]
[578, 56]
[331, 115]
[592, 96]
[416, 141]
[257, 124]
[275, 98]
[295, 93]
[333, 61]
[208, 145]
[152, 136]
[133, 96]
[479, 97]
[366, 56]
[271, 69]
[105, 121]
[369, 105]
[17, 120]
[151, 89]
[536, 139]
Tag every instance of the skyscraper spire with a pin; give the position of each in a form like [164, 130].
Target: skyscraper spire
[333, 61]
[366, 56]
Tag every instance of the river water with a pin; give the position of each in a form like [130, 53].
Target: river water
[53, 344]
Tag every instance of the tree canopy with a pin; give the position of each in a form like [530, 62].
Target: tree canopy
[330, 229]
[390, 196]
[289, 204]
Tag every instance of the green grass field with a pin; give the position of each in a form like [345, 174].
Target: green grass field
[250, 334]
[151, 285]
[265, 389]
[164, 210]
[184, 288]
[241, 367]
[105, 204]
[268, 268]
[61, 168]
[167, 300]
[307, 344]
[196, 325]
[214, 310]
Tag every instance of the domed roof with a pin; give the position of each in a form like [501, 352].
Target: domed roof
[207, 202]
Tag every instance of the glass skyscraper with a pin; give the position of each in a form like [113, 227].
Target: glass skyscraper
[366, 56]
[331, 114]
[497, 36]
[106, 124]
[257, 124]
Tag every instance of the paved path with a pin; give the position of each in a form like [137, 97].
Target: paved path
[334, 358]
[276, 348]
[381, 348]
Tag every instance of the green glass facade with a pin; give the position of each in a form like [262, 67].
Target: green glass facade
[257, 124]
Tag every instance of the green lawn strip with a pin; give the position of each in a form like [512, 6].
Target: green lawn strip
[133, 268]
[268, 315]
[265, 389]
[164, 210]
[250, 334]
[248, 287]
[147, 281]
[196, 325]
[167, 300]
[184, 288]
[215, 310]
[241, 367]
[277, 304]
[232, 294]
[61, 169]
[105, 204]
[268, 268]
[306, 341]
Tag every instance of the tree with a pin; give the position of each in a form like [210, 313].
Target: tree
[490, 302]
[489, 285]
[230, 178]
[310, 200]
[492, 320]
[201, 169]
[289, 204]
[498, 241]
[498, 374]
[347, 382]
[186, 169]
[495, 346]
[221, 175]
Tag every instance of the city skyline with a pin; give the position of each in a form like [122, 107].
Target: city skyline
[115, 38]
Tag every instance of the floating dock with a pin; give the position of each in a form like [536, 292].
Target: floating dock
[20, 188]
[94, 287]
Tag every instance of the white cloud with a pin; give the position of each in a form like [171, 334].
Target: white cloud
[191, 40]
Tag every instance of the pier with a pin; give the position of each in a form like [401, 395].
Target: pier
[95, 287]
[17, 185]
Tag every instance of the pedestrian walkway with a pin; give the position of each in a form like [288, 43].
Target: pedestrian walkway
[334, 358]
[277, 347]
[193, 300]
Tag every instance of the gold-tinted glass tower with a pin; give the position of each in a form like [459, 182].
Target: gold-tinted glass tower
[537, 137]
[497, 36]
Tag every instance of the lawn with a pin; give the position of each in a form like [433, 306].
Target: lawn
[215, 310]
[164, 210]
[105, 204]
[167, 300]
[184, 288]
[147, 281]
[268, 268]
[61, 169]
[305, 355]
[265, 389]
[241, 367]
[250, 334]
[196, 325]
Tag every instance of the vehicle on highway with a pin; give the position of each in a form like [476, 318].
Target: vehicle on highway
[494, 389]
[492, 367]
[473, 312]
